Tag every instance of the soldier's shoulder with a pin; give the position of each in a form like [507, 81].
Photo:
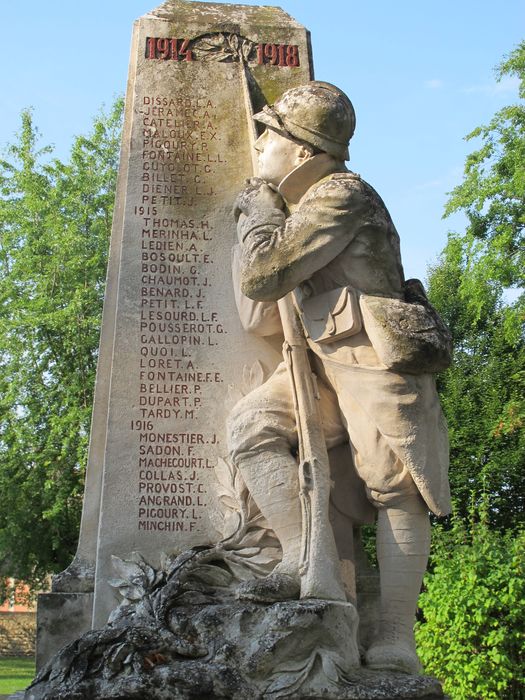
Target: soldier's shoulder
[352, 181]
[338, 181]
[346, 184]
[347, 176]
[356, 186]
[343, 180]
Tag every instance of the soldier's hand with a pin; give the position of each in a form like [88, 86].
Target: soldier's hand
[258, 195]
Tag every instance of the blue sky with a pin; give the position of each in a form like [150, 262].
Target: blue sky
[420, 75]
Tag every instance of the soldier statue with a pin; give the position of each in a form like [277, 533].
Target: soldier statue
[309, 226]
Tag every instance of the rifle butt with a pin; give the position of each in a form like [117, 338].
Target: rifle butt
[320, 569]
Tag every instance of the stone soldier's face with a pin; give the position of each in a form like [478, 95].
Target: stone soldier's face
[277, 156]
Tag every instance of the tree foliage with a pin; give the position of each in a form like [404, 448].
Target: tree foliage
[492, 194]
[55, 221]
[477, 285]
[473, 634]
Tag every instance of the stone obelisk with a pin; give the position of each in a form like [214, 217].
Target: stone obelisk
[172, 348]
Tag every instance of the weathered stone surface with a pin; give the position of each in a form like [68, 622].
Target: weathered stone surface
[183, 635]
[178, 346]
[180, 630]
[408, 335]
[175, 359]
[317, 241]
[198, 681]
[61, 618]
[185, 154]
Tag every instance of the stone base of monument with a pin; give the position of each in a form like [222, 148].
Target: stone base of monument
[181, 633]
[65, 613]
[298, 649]
[61, 618]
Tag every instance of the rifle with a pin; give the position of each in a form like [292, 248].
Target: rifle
[319, 566]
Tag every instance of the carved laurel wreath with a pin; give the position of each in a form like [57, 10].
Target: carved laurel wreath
[223, 47]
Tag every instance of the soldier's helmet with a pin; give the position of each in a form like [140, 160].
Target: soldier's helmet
[317, 113]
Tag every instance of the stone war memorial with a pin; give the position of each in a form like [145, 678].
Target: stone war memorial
[265, 388]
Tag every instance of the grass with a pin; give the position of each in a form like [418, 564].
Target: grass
[15, 674]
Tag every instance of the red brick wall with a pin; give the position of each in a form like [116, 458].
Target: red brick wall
[17, 633]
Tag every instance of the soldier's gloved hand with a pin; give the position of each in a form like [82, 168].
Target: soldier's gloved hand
[258, 195]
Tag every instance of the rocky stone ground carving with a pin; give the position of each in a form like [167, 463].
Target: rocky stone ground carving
[179, 631]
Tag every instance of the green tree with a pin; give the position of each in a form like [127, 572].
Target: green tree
[492, 194]
[477, 285]
[55, 221]
[473, 634]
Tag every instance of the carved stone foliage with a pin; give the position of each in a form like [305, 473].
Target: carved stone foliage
[223, 47]
[179, 632]
[166, 647]
[252, 377]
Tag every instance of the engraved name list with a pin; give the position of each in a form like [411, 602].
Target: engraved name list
[180, 161]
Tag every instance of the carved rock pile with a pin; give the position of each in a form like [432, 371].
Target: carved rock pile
[180, 633]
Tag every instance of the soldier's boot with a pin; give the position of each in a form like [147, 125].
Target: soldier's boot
[403, 543]
[273, 483]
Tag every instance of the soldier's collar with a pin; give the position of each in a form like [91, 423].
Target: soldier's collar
[301, 178]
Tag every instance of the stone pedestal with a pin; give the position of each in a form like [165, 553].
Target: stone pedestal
[61, 618]
[296, 649]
